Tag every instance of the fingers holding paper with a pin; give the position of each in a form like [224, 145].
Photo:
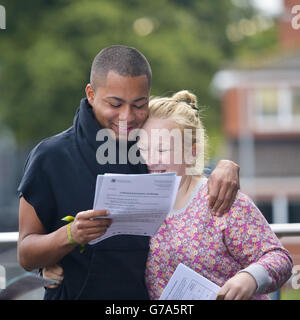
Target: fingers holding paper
[240, 287]
[89, 225]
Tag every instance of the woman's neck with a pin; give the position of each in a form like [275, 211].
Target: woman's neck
[185, 183]
[185, 190]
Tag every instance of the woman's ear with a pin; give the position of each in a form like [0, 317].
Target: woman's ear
[190, 155]
[90, 94]
[194, 150]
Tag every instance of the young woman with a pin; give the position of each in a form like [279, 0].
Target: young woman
[239, 252]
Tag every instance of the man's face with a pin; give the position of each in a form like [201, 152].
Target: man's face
[120, 103]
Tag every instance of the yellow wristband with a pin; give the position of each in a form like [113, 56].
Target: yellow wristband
[71, 241]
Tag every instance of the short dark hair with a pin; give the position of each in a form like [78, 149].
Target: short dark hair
[126, 61]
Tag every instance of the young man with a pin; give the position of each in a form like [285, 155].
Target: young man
[59, 180]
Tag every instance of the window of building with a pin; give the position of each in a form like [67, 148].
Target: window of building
[294, 212]
[267, 103]
[276, 108]
[266, 209]
[296, 102]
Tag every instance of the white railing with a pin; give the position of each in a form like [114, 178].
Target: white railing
[286, 229]
[8, 237]
[280, 229]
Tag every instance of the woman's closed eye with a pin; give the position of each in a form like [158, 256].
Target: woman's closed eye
[142, 149]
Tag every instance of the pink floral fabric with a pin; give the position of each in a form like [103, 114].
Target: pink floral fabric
[217, 248]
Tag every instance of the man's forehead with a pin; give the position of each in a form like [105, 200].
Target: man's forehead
[115, 80]
[142, 99]
[130, 89]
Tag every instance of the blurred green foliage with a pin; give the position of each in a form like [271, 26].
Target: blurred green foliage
[290, 294]
[48, 47]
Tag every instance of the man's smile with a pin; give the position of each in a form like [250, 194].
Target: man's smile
[123, 128]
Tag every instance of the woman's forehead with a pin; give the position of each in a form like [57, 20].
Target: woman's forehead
[159, 131]
[159, 123]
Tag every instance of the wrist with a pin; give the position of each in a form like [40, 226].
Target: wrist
[250, 279]
[261, 276]
[70, 234]
[71, 239]
[66, 237]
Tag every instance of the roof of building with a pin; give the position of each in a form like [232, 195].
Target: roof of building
[283, 68]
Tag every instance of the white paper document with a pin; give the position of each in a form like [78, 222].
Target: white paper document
[137, 203]
[186, 284]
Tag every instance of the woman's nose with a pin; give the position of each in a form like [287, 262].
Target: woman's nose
[153, 158]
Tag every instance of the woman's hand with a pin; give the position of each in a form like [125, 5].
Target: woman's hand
[87, 227]
[54, 272]
[240, 287]
[223, 185]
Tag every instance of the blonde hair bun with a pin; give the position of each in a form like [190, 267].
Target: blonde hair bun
[185, 95]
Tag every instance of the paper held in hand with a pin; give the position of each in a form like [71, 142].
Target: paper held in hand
[186, 284]
[138, 203]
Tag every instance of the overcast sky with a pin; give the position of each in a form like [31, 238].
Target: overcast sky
[272, 7]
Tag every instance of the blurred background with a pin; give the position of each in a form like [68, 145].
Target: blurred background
[240, 57]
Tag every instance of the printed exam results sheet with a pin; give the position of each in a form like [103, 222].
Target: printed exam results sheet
[138, 204]
[186, 284]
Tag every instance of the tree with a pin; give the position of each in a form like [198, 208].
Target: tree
[48, 47]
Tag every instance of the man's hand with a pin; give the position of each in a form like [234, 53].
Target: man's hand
[223, 185]
[54, 272]
[87, 227]
[240, 287]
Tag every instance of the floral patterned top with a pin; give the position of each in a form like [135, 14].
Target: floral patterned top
[216, 247]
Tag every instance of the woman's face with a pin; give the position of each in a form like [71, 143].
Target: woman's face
[161, 146]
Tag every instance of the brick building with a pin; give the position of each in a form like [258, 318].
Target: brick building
[261, 121]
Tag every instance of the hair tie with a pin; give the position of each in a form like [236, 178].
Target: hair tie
[188, 103]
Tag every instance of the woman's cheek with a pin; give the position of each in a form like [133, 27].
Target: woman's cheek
[142, 116]
[166, 158]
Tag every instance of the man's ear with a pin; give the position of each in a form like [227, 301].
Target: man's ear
[90, 94]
